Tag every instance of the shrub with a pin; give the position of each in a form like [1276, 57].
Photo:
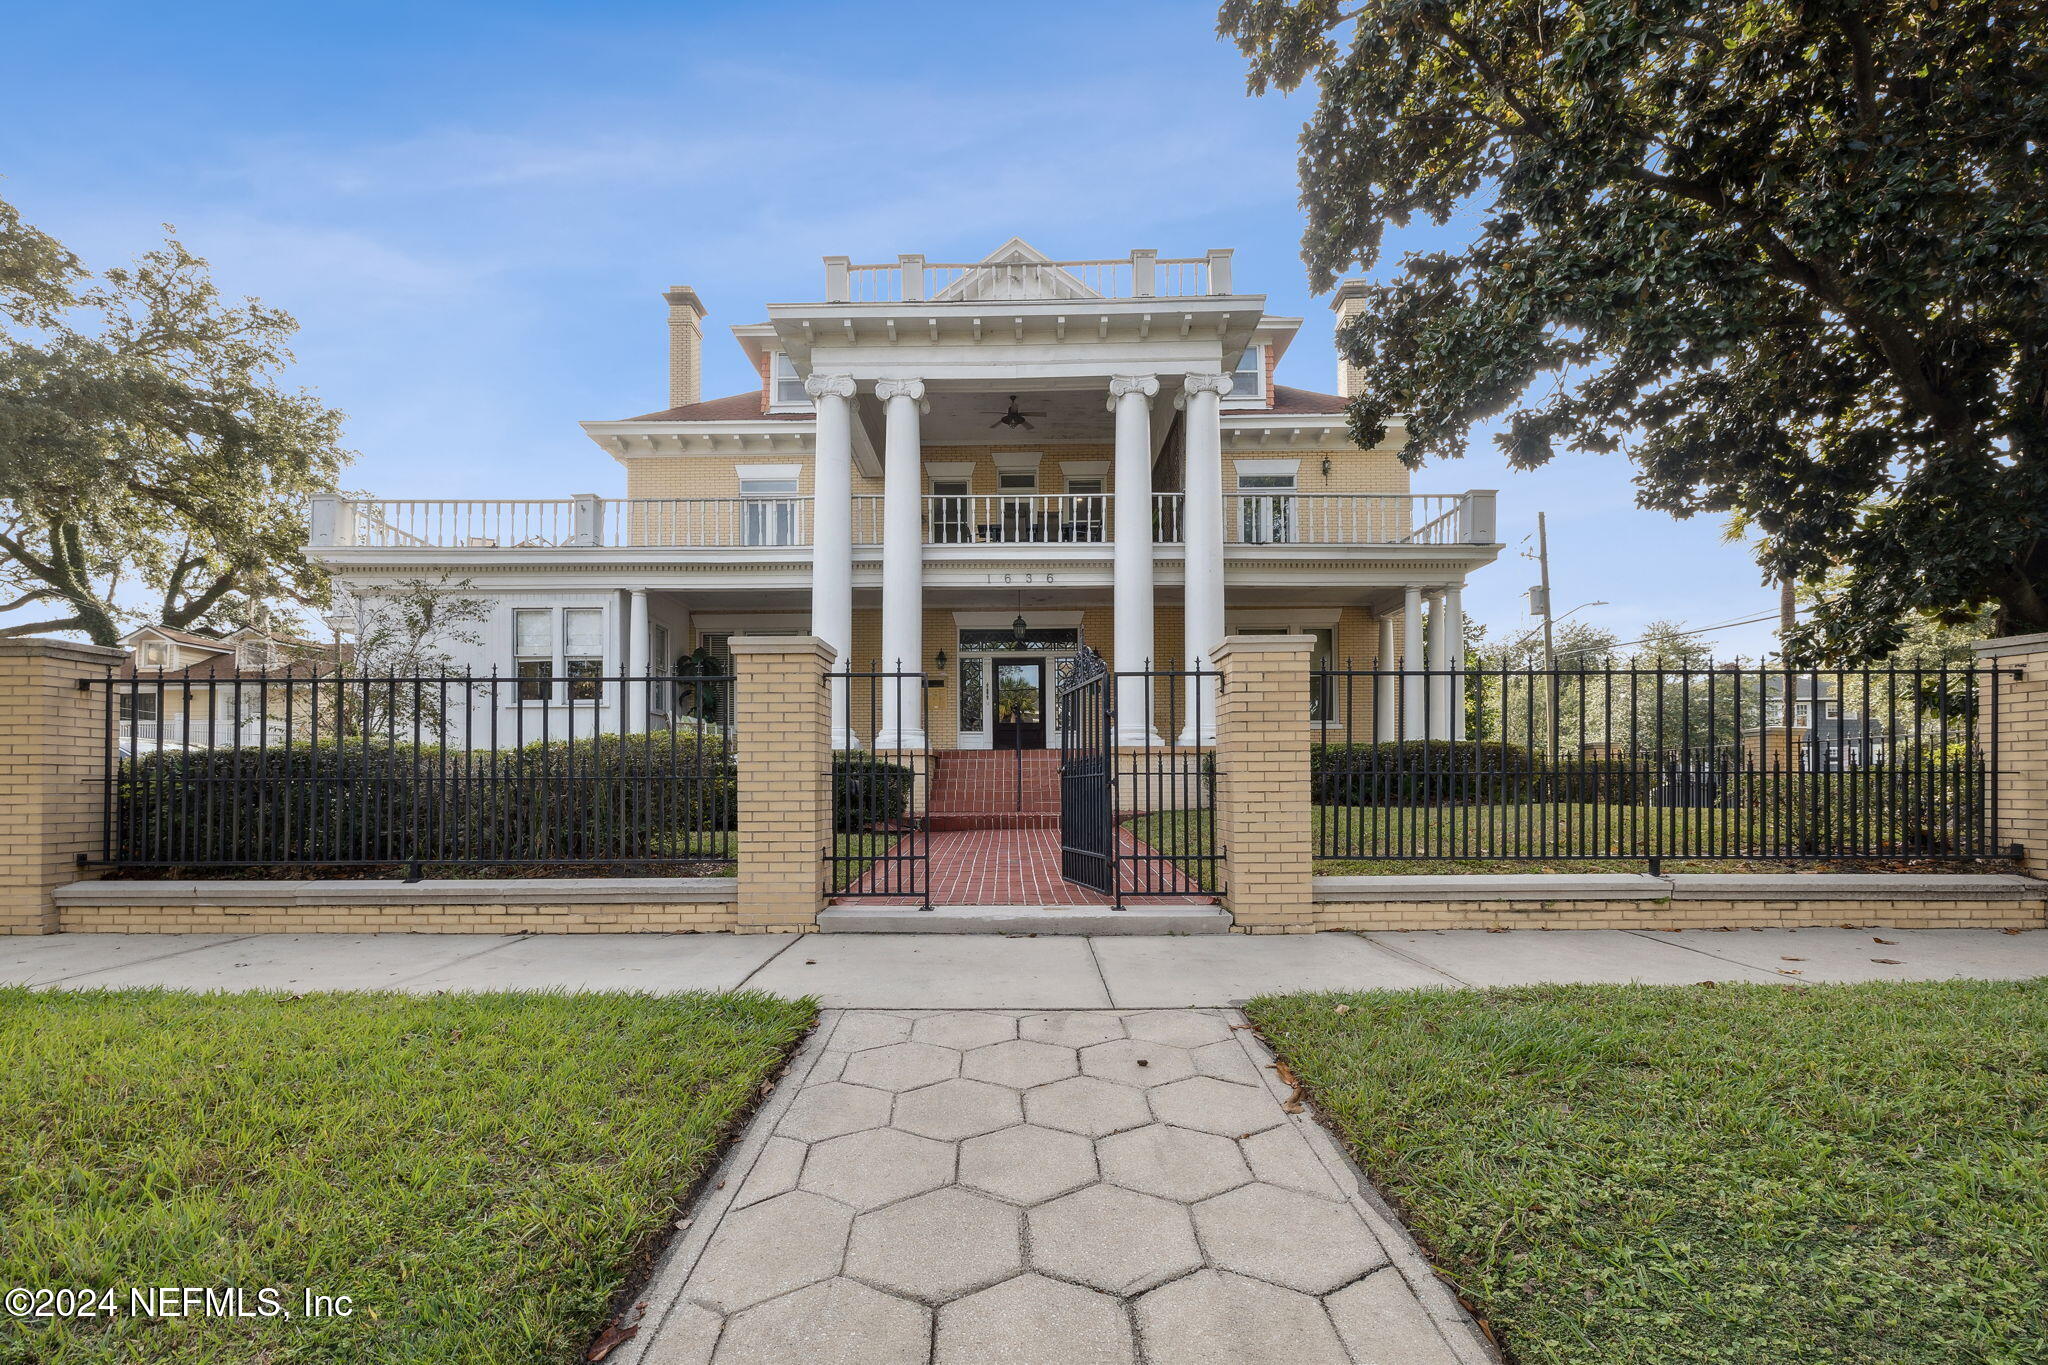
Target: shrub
[337, 801]
[1418, 772]
[868, 791]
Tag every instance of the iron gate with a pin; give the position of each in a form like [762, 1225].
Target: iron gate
[1086, 710]
[881, 787]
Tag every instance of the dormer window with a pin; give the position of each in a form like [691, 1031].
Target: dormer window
[1248, 380]
[255, 654]
[155, 654]
[785, 385]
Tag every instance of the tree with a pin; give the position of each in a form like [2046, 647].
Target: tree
[1786, 255]
[147, 448]
[398, 675]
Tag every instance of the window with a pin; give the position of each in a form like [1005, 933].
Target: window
[1265, 508]
[1086, 510]
[543, 650]
[659, 663]
[155, 654]
[256, 654]
[769, 511]
[1248, 380]
[1035, 639]
[137, 707]
[1021, 522]
[785, 385]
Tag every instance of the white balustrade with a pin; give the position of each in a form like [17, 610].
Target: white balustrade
[1278, 517]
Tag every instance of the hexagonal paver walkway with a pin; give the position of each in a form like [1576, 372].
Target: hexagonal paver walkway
[1006, 1188]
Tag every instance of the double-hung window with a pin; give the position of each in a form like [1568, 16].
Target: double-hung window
[952, 512]
[786, 386]
[1266, 508]
[770, 510]
[1087, 509]
[1248, 380]
[558, 643]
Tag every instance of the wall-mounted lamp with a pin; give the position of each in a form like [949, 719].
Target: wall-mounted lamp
[940, 660]
[1326, 466]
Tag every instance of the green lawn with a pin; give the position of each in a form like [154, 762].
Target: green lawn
[479, 1173]
[1491, 831]
[1855, 1175]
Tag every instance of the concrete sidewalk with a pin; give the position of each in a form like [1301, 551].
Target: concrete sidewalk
[940, 971]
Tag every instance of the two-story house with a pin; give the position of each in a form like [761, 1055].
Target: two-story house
[966, 470]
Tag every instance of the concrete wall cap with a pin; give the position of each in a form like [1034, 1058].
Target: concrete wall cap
[2011, 644]
[1587, 886]
[450, 891]
[46, 647]
[781, 644]
[1861, 886]
[1263, 644]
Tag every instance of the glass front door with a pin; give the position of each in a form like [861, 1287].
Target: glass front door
[1019, 704]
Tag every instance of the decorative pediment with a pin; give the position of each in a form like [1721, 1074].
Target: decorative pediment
[1016, 270]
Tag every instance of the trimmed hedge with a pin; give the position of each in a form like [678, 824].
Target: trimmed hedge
[868, 791]
[609, 797]
[1419, 772]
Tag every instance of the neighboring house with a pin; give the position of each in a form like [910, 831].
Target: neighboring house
[971, 470]
[1820, 735]
[182, 687]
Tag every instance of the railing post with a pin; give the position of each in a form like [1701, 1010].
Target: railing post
[330, 520]
[53, 754]
[1262, 782]
[838, 270]
[912, 267]
[2020, 754]
[784, 756]
[1219, 270]
[1144, 273]
[1476, 517]
[589, 527]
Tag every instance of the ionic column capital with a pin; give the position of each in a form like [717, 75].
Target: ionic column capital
[1218, 384]
[829, 386]
[913, 389]
[1123, 385]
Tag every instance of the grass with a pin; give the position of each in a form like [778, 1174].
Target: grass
[480, 1173]
[1573, 829]
[1852, 1175]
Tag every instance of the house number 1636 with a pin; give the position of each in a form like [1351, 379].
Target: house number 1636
[1021, 578]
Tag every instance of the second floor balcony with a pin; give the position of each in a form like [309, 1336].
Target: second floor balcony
[1329, 520]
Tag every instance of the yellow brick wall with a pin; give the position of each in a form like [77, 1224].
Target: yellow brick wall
[52, 760]
[1351, 470]
[2022, 746]
[1677, 914]
[784, 760]
[676, 917]
[1262, 783]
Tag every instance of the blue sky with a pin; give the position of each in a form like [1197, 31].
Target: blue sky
[472, 210]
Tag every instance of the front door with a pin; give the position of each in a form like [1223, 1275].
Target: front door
[1020, 704]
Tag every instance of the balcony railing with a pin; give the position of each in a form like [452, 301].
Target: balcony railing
[912, 279]
[1277, 518]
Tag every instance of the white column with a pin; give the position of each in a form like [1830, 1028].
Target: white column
[903, 403]
[1411, 662]
[1439, 718]
[1454, 627]
[1386, 701]
[636, 663]
[1130, 398]
[1202, 536]
[832, 534]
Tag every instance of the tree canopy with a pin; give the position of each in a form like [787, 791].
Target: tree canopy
[1787, 254]
[152, 465]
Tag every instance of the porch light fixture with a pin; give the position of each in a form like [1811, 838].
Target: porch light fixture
[1019, 628]
[940, 660]
[1326, 466]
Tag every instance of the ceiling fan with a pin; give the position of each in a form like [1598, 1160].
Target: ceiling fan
[1014, 418]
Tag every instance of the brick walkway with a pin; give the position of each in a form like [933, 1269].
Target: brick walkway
[1007, 867]
[1064, 1188]
[990, 790]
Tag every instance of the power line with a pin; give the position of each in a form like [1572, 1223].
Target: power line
[1680, 634]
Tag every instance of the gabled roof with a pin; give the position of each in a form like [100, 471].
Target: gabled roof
[1016, 270]
[183, 637]
[737, 407]
[1302, 402]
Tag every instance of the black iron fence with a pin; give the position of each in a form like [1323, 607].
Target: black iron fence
[1137, 779]
[1650, 764]
[295, 771]
[881, 786]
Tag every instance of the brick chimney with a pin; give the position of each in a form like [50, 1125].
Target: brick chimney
[685, 346]
[1349, 303]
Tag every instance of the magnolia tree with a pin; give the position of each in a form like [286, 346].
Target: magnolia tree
[1789, 257]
